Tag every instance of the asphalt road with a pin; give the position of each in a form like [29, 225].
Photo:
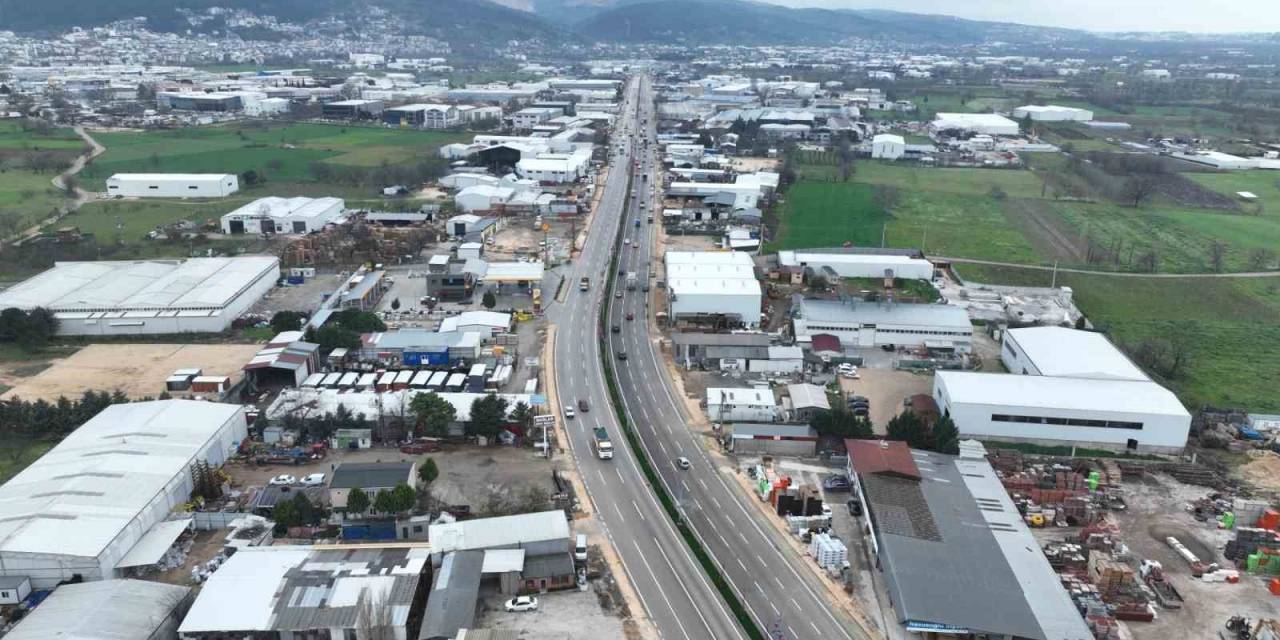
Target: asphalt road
[784, 597]
[675, 593]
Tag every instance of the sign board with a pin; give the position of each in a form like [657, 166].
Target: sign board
[544, 421]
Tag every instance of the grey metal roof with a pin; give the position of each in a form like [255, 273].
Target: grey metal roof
[945, 557]
[899, 313]
[721, 339]
[752, 429]
[103, 610]
[309, 597]
[451, 605]
[548, 566]
[350, 475]
[754, 353]
[876, 251]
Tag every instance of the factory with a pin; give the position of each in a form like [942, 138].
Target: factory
[1053, 113]
[1067, 387]
[856, 263]
[283, 215]
[713, 285]
[203, 295]
[172, 185]
[856, 323]
[95, 504]
[974, 123]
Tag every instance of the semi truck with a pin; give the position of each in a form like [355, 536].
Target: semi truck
[604, 448]
[631, 281]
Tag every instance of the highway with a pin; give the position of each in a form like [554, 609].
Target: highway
[675, 593]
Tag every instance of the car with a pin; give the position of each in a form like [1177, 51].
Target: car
[626, 241]
[583, 406]
[683, 463]
[861, 412]
[616, 329]
[425, 445]
[645, 288]
[284, 479]
[312, 480]
[836, 483]
[859, 400]
[568, 412]
[521, 603]
[854, 404]
[622, 355]
[631, 316]
[618, 293]
[855, 507]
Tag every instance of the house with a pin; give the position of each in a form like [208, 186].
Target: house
[544, 538]
[369, 477]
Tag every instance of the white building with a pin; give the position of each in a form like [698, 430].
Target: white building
[172, 185]
[1053, 410]
[107, 610]
[877, 324]
[482, 197]
[556, 168]
[1053, 113]
[97, 502]
[1058, 351]
[713, 283]
[464, 180]
[887, 146]
[531, 117]
[981, 123]
[147, 297]
[283, 215]
[856, 264]
[741, 405]
[486, 323]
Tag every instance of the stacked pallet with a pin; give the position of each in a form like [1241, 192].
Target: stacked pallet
[1109, 576]
[1247, 542]
[828, 551]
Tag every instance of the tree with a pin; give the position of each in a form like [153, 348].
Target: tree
[357, 501]
[286, 514]
[395, 304]
[250, 178]
[384, 502]
[1025, 125]
[946, 437]
[433, 413]
[1217, 254]
[489, 300]
[287, 321]
[908, 427]
[402, 498]
[1261, 258]
[306, 511]
[375, 618]
[841, 423]
[331, 337]
[522, 414]
[488, 414]
[1138, 189]
[428, 471]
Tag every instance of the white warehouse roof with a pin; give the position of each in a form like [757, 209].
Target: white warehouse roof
[505, 531]
[299, 207]
[77, 498]
[196, 283]
[102, 610]
[1058, 351]
[174, 177]
[1051, 392]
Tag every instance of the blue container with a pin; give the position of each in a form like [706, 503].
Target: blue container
[296, 280]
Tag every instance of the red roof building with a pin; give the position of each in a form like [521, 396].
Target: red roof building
[889, 457]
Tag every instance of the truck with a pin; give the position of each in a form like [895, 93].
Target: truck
[604, 448]
[584, 284]
[631, 281]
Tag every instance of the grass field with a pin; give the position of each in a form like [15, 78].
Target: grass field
[12, 136]
[1235, 336]
[1265, 184]
[282, 153]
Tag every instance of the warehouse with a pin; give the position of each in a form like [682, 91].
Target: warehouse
[94, 504]
[857, 263]
[556, 168]
[311, 592]
[727, 404]
[717, 286]
[750, 438]
[352, 109]
[974, 123]
[284, 215]
[1053, 113]
[878, 324]
[415, 347]
[887, 146]
[956, 558]
[1105, 413]
[147, 297]
[107, 610]
[172, 185]
[1058, 351]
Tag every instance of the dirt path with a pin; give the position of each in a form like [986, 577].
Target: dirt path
[1045, 230]
[59, 183]
[1116, 274]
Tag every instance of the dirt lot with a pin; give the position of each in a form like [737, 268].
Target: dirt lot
[886, 388]
[1156, 510]
[678, 242]
[747, 165]
[136, 369]
[572, 615]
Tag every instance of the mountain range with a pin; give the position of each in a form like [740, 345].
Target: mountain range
[572, 21]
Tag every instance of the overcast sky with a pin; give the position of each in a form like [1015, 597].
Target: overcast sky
[1096, 15]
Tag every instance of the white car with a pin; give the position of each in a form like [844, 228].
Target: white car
[568, 412]
[522, 603]
[847, 370]
[683, 462]
[313, 480]
[284, 479]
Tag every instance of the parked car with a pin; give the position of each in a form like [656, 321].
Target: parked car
[284, 479]
[837, 483]
[418, 447]
[583, 406]
[683, 462]
[861, 412]
[313, 480]
[522, 603]
[855, 507]
[859, 400]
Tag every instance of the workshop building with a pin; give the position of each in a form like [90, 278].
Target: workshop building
[878, 324]
[172, 185]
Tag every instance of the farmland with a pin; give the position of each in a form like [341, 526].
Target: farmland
[29, 159]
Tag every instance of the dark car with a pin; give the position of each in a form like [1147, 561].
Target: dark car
[855, 507]
[837, 483]
[622, 355]
[861, 412]
[859, 400]
[631, 316]
[583, 406]
[615, 328]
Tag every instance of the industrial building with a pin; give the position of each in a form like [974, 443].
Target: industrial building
[415, 347]
[956, 558]
[556, 168]
[426, 116]
[750, 438]
[975, 123]
[1108, 413]
[726, 404]
[888, 146]
[1053, 113]
[284, 215]
[96, 504]
[715, 286]
[876, 324]
[1059, 351]
[147, 297]
[172, 185]
[352, 109]
[857, 263]
[199, 101]
[281, 592]
[107, 610]
[543, 536]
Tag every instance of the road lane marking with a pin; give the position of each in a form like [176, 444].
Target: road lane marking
[637, 506]
[684, 588]
[619, 510]
[663, 592]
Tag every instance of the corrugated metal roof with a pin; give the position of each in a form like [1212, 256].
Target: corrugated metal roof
[1053, 392]
[451, 605]
[365, 475]
[1058, 351]
[507, 531]
[881, 456]
[102, 610]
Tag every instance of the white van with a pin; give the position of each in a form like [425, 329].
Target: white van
[580, 548]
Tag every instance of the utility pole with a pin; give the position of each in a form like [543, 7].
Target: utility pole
[884, 229]
[1054, 282]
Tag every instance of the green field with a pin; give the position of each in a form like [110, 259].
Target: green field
[1264, 184]
[12, 136]
[1233, 324]
[281, 153]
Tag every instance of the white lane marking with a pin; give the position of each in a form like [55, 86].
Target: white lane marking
[684, 588]
[662, 591]
[619, 510]
[794, 635]
[620, 478]
[743, 565]
[797, 605]
[637, 506]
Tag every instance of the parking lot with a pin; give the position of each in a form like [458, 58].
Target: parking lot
[886, 388]
[570, 614]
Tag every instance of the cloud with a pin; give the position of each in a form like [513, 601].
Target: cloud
[1096, 15]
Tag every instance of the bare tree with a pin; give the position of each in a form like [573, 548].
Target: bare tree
[1139, 189]
[375, 619]
[1261, 258]
[1217, 254]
